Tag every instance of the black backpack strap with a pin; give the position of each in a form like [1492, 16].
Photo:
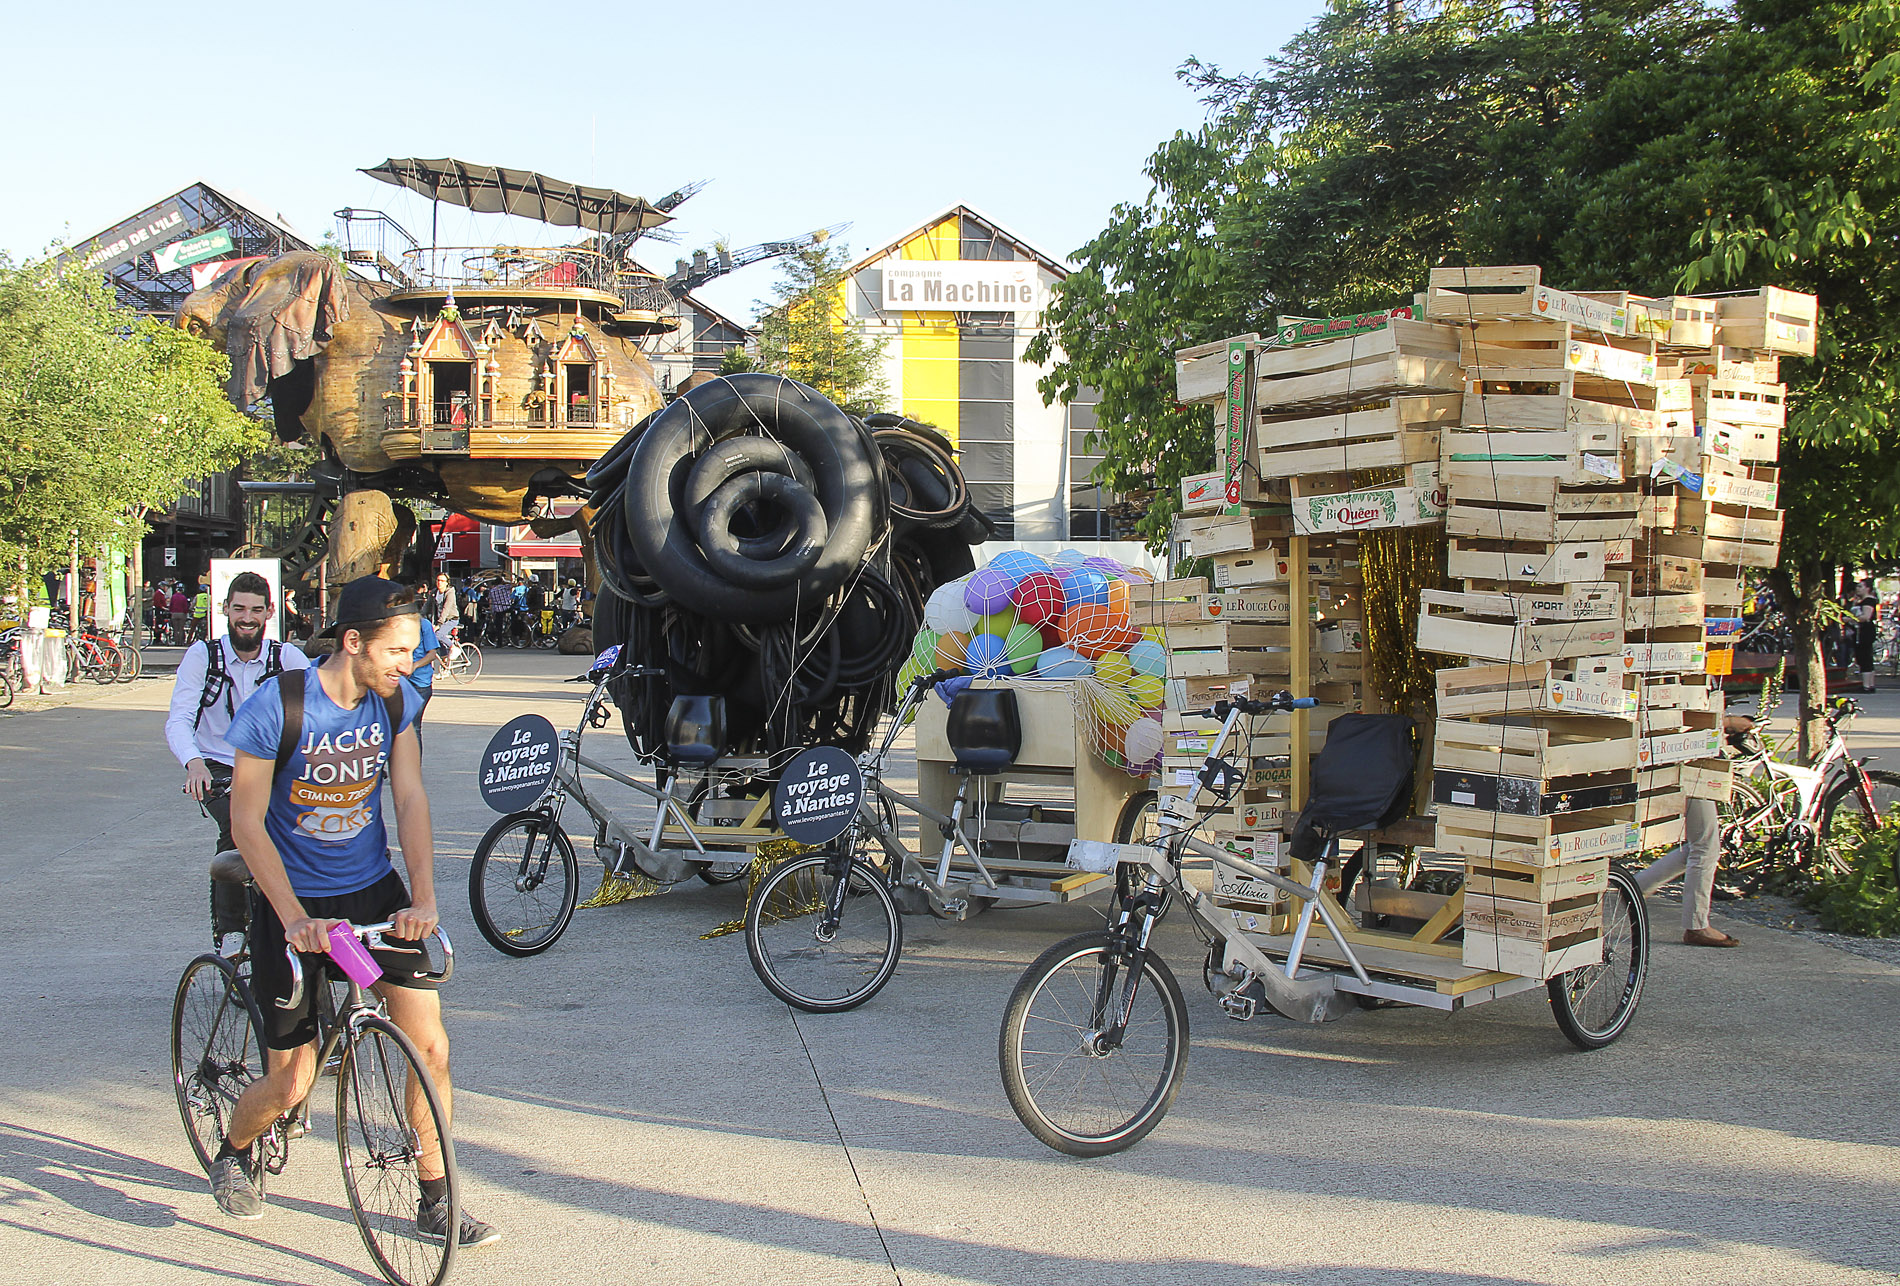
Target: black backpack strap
[274, 660]
[217, 681]
[290, 690]
[392, 706]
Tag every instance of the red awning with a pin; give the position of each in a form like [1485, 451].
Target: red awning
[539, 550]
[460, 522]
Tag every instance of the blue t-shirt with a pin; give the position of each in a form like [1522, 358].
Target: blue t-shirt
[325, 814]
[424, 675]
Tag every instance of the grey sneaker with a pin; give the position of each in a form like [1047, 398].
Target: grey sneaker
[432, 1222]
[234, 1190]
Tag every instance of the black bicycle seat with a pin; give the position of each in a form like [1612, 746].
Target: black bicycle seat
[696, 728]
[1362, 780]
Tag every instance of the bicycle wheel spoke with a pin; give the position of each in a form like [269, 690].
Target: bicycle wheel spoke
[382, 1106]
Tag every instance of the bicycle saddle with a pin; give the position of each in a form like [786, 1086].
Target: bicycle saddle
[229, 867]
[696, 728]
[1362, 780]
[985, 730]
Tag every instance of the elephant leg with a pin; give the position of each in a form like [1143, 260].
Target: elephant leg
[360, 533]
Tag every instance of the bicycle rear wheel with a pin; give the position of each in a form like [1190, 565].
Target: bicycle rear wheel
[389, 1117]
[523, 883]
[1069, 1085]
[1593, 1005]
[823, 939]
[132, 664]
[217, 1050]
[1752, 826]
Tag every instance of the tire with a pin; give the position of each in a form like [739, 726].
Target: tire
[521, 887]
[784, 921]
[134, 663]
[1830, 854]
[471, 667]
[705, 870]
[1136, 824]
[1594, 1005]
[1052, 1006]
[1750, 847]
[217, 1050]
[111, 664]
[6, 690]
[387, 1110]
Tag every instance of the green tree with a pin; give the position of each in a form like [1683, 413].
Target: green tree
[736, 361]
[808, 334]
[1385, 138]
[104, 415]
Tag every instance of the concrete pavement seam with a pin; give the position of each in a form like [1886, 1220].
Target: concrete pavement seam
[824, 1096]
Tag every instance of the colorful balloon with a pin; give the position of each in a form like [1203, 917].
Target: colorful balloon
[1038, 597]
[999, 622]
[1061, 663]
[1024, 646]
[1148, 656]
[925, 645]
[1104, 564]
[1113, 669]
[945, 610]
[988, 591]
[987, 657]
[1148, 690]
[1018, 563]
[1141, 744]
[950, 650]
[1092, 629]
[1082, 585]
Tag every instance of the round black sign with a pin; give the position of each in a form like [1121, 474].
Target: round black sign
[518, 763]
[818, 795]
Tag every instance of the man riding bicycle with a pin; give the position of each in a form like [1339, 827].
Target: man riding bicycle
[306, 805]
[215, 678]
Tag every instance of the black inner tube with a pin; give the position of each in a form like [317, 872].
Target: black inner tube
[732, 558]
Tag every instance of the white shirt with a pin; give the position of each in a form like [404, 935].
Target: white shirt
[207, 740]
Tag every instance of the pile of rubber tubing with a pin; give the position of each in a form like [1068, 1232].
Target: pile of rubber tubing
[757, 542]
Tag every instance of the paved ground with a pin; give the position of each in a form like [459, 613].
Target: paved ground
[634, 1107]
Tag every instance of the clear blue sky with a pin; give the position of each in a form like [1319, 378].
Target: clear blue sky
[879, 115]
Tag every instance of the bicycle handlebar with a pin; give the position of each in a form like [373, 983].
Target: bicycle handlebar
[932, 679]
[1280, 701]
[371, 936]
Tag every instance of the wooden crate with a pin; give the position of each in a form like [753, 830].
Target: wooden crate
[1479, 294]
[1708, 779]
[1661, 611]
[1321, 506]
[1656, 573]
[1739, 402]
[1530, 797]
[1235, 533]
[1531, 921]
[1536, 883]
[1666, 655]
[1203, 493]
[1642, 451]
[1259, 567]
[1743, 443]
[1227, 647]
[1681, 321]
[1678, 747]
[1557, 839]
[1780, 321]
[1525, 562]
[1734, 482]
[1539, 960]
[1539, 687]
[1725, 535]
[1577, 456]
[1539, 746]
[1487, 626]
[1401, 431]
[1406, 358]
[1509, 507]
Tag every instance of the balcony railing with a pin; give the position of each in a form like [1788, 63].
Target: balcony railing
[535, 270]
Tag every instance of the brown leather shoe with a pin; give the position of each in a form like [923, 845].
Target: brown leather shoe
[1709, 938]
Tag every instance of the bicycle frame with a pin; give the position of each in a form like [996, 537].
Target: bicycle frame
[1816, 783]
[670, 817]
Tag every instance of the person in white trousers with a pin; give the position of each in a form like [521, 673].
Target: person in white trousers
[1696, 860]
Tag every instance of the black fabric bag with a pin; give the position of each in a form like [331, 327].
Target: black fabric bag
[1362, 779]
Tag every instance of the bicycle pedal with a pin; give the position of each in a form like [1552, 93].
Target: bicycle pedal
[1238, 1007]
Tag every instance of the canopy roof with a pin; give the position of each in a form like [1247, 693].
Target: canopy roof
[491, 189]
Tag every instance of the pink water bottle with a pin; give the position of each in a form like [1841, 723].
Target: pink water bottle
[350, 955]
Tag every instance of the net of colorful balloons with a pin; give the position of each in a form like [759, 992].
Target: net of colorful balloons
[1065, 617]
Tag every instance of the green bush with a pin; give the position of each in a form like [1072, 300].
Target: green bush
[1865, 902]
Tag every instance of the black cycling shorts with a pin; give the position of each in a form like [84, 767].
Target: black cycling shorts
[270, 971]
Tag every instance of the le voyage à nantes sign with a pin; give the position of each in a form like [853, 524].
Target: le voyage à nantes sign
[962, 286]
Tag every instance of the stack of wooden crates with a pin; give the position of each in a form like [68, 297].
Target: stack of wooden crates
[1604, 466]
[1610, 480]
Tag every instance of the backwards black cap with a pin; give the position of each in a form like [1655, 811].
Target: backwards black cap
[367, 599]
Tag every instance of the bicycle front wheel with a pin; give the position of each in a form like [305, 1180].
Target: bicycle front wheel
[134, 664]
[523, 883]
[217, 1050]
[823, 941]
[1593, 1005]
[1071, 1081]
[390, 1127]
[471, 668]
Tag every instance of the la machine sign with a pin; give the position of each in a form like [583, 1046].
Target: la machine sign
[962, 286]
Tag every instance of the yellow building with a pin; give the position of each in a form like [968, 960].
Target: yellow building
[957, 300]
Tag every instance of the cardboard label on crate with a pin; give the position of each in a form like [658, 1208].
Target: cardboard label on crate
[1677, 747]
[1666, 470]
[1202, 491]
[1355, 510]
[1237, 408]
[1603, 466]
[1250, 605]
[1523, 796]
[1531, 921]
[1602, 841]
[1588, 698]
[1730, 489]
[1610, 363]
[1561, 305]
[1664, 658]
[1430, 493]
[1310, 330]
[1721, 627]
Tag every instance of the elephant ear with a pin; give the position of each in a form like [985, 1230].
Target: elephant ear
[285, 315]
